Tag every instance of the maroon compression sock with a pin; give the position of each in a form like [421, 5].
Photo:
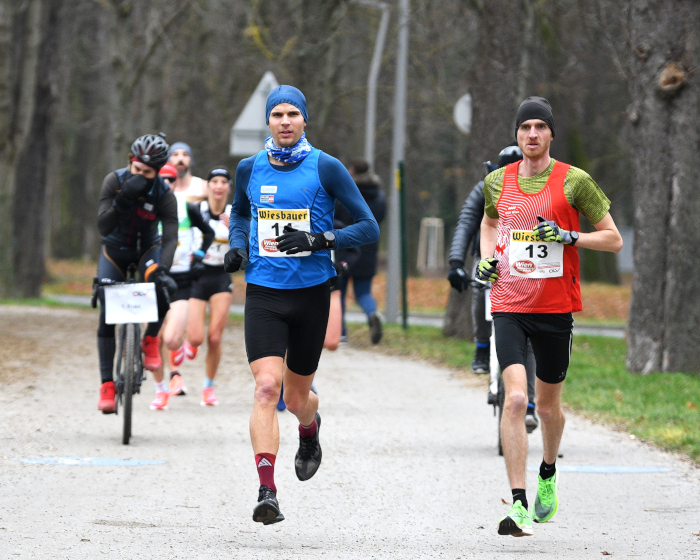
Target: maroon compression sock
[266, 470]
[308, 431]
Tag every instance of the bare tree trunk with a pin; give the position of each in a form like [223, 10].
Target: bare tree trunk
[7, 87]
[665, 308]
[32, 162]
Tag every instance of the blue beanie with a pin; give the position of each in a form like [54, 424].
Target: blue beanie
[286, 94]
[181, 146]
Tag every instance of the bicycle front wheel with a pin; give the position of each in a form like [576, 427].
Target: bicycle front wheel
[130, 361]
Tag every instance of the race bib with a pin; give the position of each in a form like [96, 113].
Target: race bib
[531, 258]
[271, 224]
[131, 303]
[216, 252]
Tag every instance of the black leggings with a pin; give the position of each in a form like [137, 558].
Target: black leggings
[112, 265]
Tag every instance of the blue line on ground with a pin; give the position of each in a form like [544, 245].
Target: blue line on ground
[606, 469]
[87, 461]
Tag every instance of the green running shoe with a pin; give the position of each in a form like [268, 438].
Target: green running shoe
[546, 502]
[517, 522]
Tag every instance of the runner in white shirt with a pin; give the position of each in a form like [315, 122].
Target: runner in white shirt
[194, 188]
[214, 284]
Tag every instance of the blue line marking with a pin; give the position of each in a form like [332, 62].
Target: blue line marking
[87, 461]
[606, 469]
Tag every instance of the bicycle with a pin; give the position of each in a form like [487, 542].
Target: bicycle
[497, 392]
[137, 306]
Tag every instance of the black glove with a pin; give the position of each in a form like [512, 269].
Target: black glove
[341, 267]
[164, 282]
[293, 241]
[486, 271]
[458, 278]
[197, 267]
[235, 259]
[547, 230]
[132, 188]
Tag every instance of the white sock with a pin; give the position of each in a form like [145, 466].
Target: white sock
[161, 387]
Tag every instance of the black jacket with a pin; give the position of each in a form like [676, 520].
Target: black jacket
[370, 188]
[468, 227]
[124, 229]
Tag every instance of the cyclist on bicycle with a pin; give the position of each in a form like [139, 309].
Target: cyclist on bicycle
[466, 233]
[132, 202]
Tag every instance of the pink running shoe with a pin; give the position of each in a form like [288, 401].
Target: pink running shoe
[190, 351]
[208, 397]
[161, 401]
[177, 386]
[178, 356]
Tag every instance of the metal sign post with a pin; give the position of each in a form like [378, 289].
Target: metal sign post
[250, 130]
[397, 157]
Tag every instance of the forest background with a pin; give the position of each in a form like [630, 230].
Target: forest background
[80, 79]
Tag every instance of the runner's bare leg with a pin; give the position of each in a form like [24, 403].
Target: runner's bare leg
[264, 429]
[551, 416]
[299, 398]
[513, 432]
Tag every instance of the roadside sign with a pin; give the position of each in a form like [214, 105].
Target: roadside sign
[462, 113]
[249, 131]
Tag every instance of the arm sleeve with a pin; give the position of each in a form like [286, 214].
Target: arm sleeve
[168, 216]
[587, 197]
[198, 222]
[338, 183]
[239, 223]
[468, 224]
[493, 185]
[107, 215]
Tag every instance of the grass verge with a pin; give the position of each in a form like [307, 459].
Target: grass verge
[663, 409]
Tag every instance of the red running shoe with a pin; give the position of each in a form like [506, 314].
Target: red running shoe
[178, 356]
[190, 351]
[151, 350]
[107, 403]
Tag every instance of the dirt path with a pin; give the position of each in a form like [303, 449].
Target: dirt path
[409, 468]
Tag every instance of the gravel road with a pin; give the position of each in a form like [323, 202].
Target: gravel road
[410, 468]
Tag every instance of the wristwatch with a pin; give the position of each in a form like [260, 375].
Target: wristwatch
[330, 239]
[574, 237]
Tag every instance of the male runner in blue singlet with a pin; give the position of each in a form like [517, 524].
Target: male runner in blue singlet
[283, 206]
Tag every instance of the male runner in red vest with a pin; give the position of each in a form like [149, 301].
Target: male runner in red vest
[529, 239]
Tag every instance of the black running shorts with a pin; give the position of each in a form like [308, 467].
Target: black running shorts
[550, 335]
[214, 280]
[287, 322]
[184, 283]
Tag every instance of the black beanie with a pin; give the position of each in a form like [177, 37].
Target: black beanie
[218, 172]
[535, 108]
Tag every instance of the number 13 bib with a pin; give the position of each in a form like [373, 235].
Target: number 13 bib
[531, 258]
[272, 223]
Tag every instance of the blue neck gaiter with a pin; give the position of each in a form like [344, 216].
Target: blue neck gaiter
[293, 154]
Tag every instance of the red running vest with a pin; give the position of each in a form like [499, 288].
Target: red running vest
[518, 210]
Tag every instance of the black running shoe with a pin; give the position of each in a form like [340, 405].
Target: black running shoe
[375, 328]
[308, 457]
[267, 511]
[480, 364]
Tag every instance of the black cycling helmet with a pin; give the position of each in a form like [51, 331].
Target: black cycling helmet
[151, 149]
[510, 154]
